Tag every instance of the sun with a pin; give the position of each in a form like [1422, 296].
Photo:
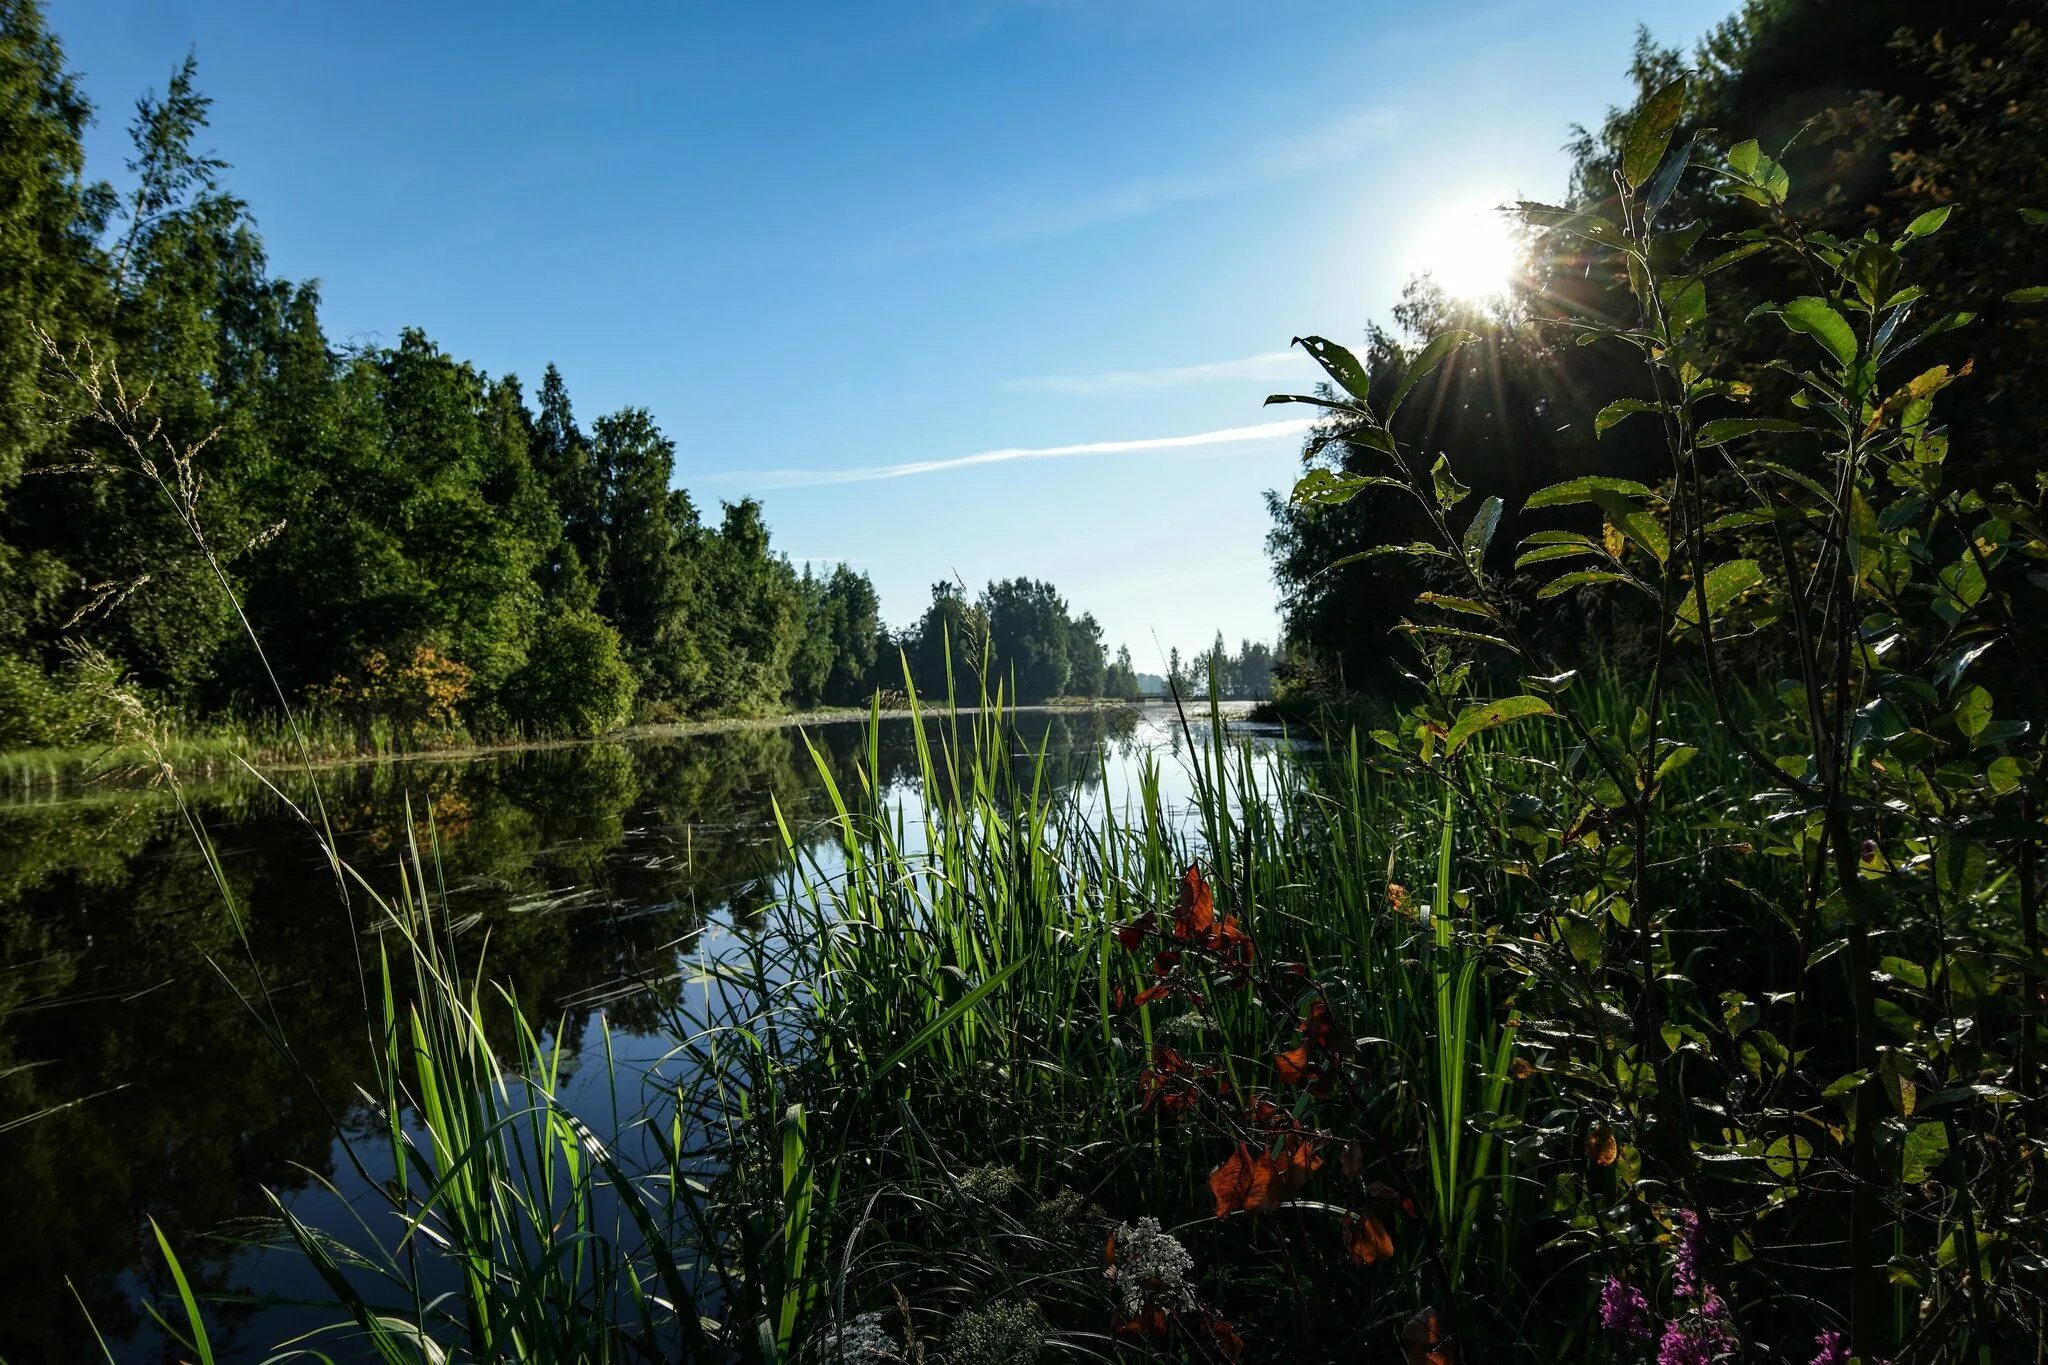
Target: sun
[1469, 249]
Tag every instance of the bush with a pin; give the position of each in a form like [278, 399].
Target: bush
[421, 694]
[83, 704]
[574, 681]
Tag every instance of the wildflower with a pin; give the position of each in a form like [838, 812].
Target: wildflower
[989, 1184]
[1687, 1278]
[1150, 1268]
[999, 1334]
[1830, 1350]
[856, 1343]
[1682, 1346]
[1623, 1310]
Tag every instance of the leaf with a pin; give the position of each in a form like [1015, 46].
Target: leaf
[1483, 716]
[1328, 488]
[1479, 534]
[1584, 578]
[1972, 712]
[1366, 1239]
[1787, 1156]
[1925, 1147]
[1584, 489]
[1743, 156]
[1340, 365]
[1666, 183]
[1601, 1148]
[1722, 430]
[1432, 356]
[1449, 492]
[1821, 322]
[1724, 583]
[1620, 410]
[1649, 133]
[2038, 217]
[1458, 604]
[1929, 223]
[2033, 293]
[1423, 1341]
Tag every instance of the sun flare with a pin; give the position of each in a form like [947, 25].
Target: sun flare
[1470, 251]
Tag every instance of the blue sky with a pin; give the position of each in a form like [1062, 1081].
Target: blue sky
[972, 289]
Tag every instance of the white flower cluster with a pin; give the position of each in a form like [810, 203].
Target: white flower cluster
[989, 1183]
[860, 1342]
[1188, 1026]
[1152, 1268]
[999, 1334]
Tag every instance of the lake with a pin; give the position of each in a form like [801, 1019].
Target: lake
[589, 877]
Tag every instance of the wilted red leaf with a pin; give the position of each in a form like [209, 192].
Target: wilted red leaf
[1293, 1065]
[1601, 1148]
[1131, 935]
[1397, 897]
[1352, 1159]
[1424, 1340]
[1383, 1193]
[1195, 914]
[1149, 1321]
[1222, 1335]
[1366, 1239]
[1321, 1031]
[1151, 994]
[1231, 1183]
[1521, 1069]
[1163, 963]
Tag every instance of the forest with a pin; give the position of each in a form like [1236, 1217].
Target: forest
[424, 550]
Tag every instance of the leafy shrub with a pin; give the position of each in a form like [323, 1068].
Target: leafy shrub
[86, 702]
[420, 694]
[574, 681]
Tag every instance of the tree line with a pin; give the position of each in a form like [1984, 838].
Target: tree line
[1880, 112]
[415, 542]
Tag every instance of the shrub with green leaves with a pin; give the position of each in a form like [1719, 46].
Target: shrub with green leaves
[575, 680]
[1778, 1015]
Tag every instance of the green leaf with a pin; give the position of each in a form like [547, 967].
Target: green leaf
[1788, 1155]
[1449, 492]
[2004, 775]
[1925, 1148]
[1649, 133]
[1584, 489]
[1584, 578]
[1479, 534]
[1929, 223]
[1743, 156]
[1544, 554]
[1459, 604]
[1328, 488]
[1620, 410]
[2038, 217]
[1431, 356]
[2033, 293]
[1972, 713]
[1722, 430]
[1724, 583]
[1340, 365]
[1821, 322]
[1484, 716]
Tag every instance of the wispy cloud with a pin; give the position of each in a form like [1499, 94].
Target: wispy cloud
[806, 478]
[1265, 365]
[1021, 212]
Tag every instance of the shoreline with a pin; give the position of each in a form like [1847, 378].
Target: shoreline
[62, 772]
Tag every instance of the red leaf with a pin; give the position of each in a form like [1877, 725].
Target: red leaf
[1352, 1159]
[1232, 1183]
[1150, 1321]
[1293, 1065]
[1424, 1340]
[1195, 914]
[1381, 1192]
[1366, 1239]
[1222, 1335]
[1151, 994]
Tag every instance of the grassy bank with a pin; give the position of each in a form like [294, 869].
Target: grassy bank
[211, 753]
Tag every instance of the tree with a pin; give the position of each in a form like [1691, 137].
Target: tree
[946, 646]
[575, 679]
[647, 542]
[1027, 629]
[1086, 667]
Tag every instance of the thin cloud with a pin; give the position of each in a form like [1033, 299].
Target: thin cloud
[1264, 365]
[1034, 212]
[808, 478]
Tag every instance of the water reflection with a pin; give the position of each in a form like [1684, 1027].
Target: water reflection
[574, 869]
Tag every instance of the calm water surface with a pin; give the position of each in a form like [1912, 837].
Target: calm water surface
[592, 871]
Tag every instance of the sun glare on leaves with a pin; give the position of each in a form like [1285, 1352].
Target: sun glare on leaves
[1469, 250]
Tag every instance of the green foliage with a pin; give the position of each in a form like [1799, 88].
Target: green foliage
[1886, 802]
[575, 680]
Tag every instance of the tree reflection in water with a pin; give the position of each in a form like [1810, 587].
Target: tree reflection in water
[584, 874]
